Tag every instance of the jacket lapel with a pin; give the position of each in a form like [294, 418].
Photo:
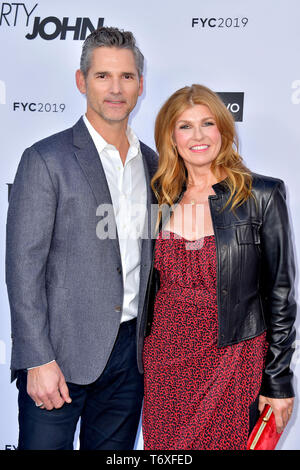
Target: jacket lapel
[90, 163]
[147, 241]
[146, 255]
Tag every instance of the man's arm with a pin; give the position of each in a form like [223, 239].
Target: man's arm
[30, 223]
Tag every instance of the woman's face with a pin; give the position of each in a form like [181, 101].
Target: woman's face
[197, 137]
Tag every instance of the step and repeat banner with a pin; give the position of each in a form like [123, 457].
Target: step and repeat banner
[247, 51]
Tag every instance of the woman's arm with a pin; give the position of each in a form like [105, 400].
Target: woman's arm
[277, 289]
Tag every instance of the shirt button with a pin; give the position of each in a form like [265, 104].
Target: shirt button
[224, 291]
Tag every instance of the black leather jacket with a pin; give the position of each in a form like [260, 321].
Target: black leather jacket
[255, 277]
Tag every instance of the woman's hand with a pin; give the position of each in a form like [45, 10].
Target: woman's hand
[282, 409]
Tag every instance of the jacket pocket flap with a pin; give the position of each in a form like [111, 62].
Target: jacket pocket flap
[247, 234]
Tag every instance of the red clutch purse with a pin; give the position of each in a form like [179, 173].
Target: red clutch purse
[264, 435]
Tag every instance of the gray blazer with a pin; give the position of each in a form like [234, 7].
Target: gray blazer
[65, 284]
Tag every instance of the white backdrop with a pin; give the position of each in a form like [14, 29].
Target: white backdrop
[248, 46]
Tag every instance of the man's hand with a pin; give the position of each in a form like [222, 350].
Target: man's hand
[46, 384]
[282, 409]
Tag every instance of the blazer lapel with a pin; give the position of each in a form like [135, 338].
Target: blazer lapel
[146, 255]
[147, 241]
[90, 163]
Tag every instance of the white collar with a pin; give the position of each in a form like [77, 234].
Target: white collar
[101, 144]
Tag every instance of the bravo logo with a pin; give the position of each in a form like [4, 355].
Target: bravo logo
[234, 102]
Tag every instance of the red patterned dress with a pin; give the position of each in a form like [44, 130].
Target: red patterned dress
[197, 396]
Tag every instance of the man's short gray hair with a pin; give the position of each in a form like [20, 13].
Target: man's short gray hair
[110, 37]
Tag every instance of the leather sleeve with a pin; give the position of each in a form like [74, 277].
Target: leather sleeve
[277, 290]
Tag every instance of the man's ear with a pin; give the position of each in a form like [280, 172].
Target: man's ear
[80, 81]
[141, 85]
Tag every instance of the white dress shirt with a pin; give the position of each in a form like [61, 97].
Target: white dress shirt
[128, 190]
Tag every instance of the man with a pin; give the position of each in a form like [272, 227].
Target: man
[76, 284]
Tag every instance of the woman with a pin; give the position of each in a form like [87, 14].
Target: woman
[220, 295]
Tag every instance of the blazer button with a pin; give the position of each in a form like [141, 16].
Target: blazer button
[224, 291]
[119, 269]
[118, 308]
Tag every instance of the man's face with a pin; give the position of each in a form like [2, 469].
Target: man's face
[112, 85]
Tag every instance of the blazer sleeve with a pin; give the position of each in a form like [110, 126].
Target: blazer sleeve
[30, 222]
[277, 282]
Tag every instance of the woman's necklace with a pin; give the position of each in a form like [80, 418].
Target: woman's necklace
[194, 201]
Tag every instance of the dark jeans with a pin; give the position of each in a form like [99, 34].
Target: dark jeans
[109, 407]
